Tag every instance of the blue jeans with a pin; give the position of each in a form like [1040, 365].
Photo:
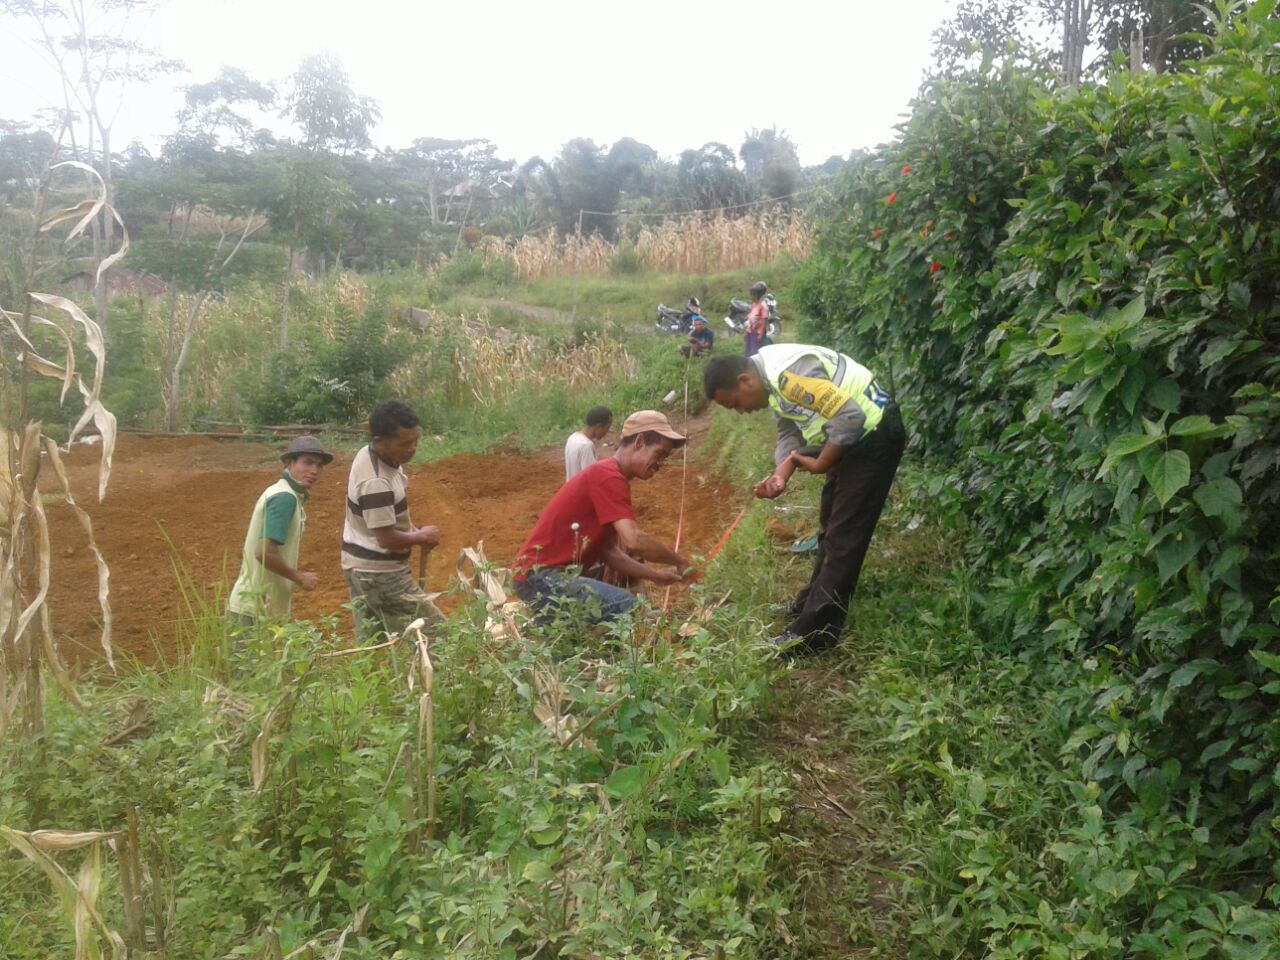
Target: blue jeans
[552, 589]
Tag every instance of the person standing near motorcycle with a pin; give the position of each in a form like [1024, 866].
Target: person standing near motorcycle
[757, 319]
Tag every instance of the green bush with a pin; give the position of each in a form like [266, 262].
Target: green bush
[1078, 297]
[334, 379]
[626, 261]
[476, 268]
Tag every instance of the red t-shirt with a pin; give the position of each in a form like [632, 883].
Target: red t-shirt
[593, 499]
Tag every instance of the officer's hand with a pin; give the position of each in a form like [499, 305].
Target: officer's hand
[429, 537]
[770, 487]
[308, 581]
[807, 464]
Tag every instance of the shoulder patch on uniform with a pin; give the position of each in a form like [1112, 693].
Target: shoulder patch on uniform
[813, 393]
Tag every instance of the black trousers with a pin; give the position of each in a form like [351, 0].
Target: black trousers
[852, 498]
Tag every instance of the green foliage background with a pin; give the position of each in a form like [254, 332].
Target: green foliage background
[1078, 295]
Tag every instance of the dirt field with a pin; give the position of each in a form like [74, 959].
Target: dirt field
[187, 500]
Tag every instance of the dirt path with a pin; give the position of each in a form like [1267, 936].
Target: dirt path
[840, 873]
[182, 504]
[524, 309]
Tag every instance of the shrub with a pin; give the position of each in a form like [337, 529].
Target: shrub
[626, 260]
[319, 379]
[1078, 295]
[477, 268]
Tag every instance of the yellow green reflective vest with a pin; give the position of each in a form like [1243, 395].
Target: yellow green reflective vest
[258, 592]
[811, 401]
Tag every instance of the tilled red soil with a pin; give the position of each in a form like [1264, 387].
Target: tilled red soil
[184, 502]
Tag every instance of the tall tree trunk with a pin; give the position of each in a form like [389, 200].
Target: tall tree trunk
[175, 373]
[466, 216]
[288, 290]
[1076, 15]
[170, 351]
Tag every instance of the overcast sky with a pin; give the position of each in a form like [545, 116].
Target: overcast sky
[834, 75]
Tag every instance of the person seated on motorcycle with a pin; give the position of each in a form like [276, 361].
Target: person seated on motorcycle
[757, 319]
[701, 338]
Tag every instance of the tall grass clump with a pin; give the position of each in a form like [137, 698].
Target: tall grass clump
[1077, 294]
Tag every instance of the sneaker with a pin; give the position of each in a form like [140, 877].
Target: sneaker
[787, 641]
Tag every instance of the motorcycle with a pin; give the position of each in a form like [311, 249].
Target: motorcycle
[676, 321]
[736, 321]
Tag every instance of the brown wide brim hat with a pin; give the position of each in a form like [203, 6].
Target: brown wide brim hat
[651, 421]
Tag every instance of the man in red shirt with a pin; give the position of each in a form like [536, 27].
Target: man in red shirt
[591, 522]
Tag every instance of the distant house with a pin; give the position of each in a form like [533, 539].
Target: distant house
[469, 195]
[121, 281]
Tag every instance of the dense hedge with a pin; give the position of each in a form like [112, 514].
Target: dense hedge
[1077, 295]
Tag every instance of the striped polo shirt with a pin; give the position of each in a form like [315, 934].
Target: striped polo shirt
[376, 497]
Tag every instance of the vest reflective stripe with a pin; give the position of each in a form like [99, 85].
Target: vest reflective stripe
[258, 591]
[811, 404]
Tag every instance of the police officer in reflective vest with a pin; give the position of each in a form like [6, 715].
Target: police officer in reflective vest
[833, 419]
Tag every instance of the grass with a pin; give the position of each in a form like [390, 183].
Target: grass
[654, 830]
[706, 800]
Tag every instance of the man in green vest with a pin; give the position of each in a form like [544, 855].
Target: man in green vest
[269, 564]
[833, 419]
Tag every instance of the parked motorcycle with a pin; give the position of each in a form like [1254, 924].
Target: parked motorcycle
[678, 321]
[736, 321]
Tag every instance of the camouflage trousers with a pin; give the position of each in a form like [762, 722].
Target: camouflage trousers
[388, 602]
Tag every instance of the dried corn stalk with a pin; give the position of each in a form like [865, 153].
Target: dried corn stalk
[423, 673]
[490, 583]
[688, 244]
[79, 897]
[26, 629]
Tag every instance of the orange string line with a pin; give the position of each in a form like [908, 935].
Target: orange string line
[725, 539]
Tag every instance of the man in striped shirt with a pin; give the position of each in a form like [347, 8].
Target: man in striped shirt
[377, 537]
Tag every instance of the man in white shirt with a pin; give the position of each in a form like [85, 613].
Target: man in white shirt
[580, 448]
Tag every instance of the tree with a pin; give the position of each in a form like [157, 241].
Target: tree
[1157, 33]
[332, 116]
[199, 175]
[708, 177]
[90, 44]
[304, 191]
[982, 29]
[1164, 33]
[217, 108]
[434, 165]
[762, 149]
